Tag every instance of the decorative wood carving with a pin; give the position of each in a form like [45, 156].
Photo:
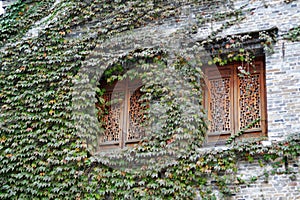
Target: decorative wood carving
[136, 116]
[235, 100]
[123, 114]
[220, 105]
[249, 101]
[111, 119]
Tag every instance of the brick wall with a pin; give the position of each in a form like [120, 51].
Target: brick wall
[283, 89]
[282, 67]
[279, 186]
[275, 187]
[282, 75]
[283, 97]
[282, 78]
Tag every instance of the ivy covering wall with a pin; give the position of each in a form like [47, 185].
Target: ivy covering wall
[48, 60]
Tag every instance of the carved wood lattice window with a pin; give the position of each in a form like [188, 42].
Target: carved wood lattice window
[233, 101]
[123, 114]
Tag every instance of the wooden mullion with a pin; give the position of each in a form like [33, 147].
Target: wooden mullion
[208, 99]
[124, 115]
[235, 96]
[263, 106]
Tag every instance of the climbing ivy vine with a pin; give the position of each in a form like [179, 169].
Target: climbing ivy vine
[53, 52]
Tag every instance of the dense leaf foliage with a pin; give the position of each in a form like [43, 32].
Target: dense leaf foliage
[53, 55]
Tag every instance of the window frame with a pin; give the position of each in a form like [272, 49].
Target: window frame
[128, 87]
[219, 138]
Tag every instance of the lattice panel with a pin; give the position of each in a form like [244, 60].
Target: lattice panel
[136, 117]
[249, 101]
[111, 119]
[220, 105]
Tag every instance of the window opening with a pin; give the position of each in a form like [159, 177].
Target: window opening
[123, 118]
[234, 101]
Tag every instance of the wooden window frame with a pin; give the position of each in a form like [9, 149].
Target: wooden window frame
[231, 71]
[128, 88]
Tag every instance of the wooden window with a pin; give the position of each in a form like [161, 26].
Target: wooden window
[234, 100]
[123, 114]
